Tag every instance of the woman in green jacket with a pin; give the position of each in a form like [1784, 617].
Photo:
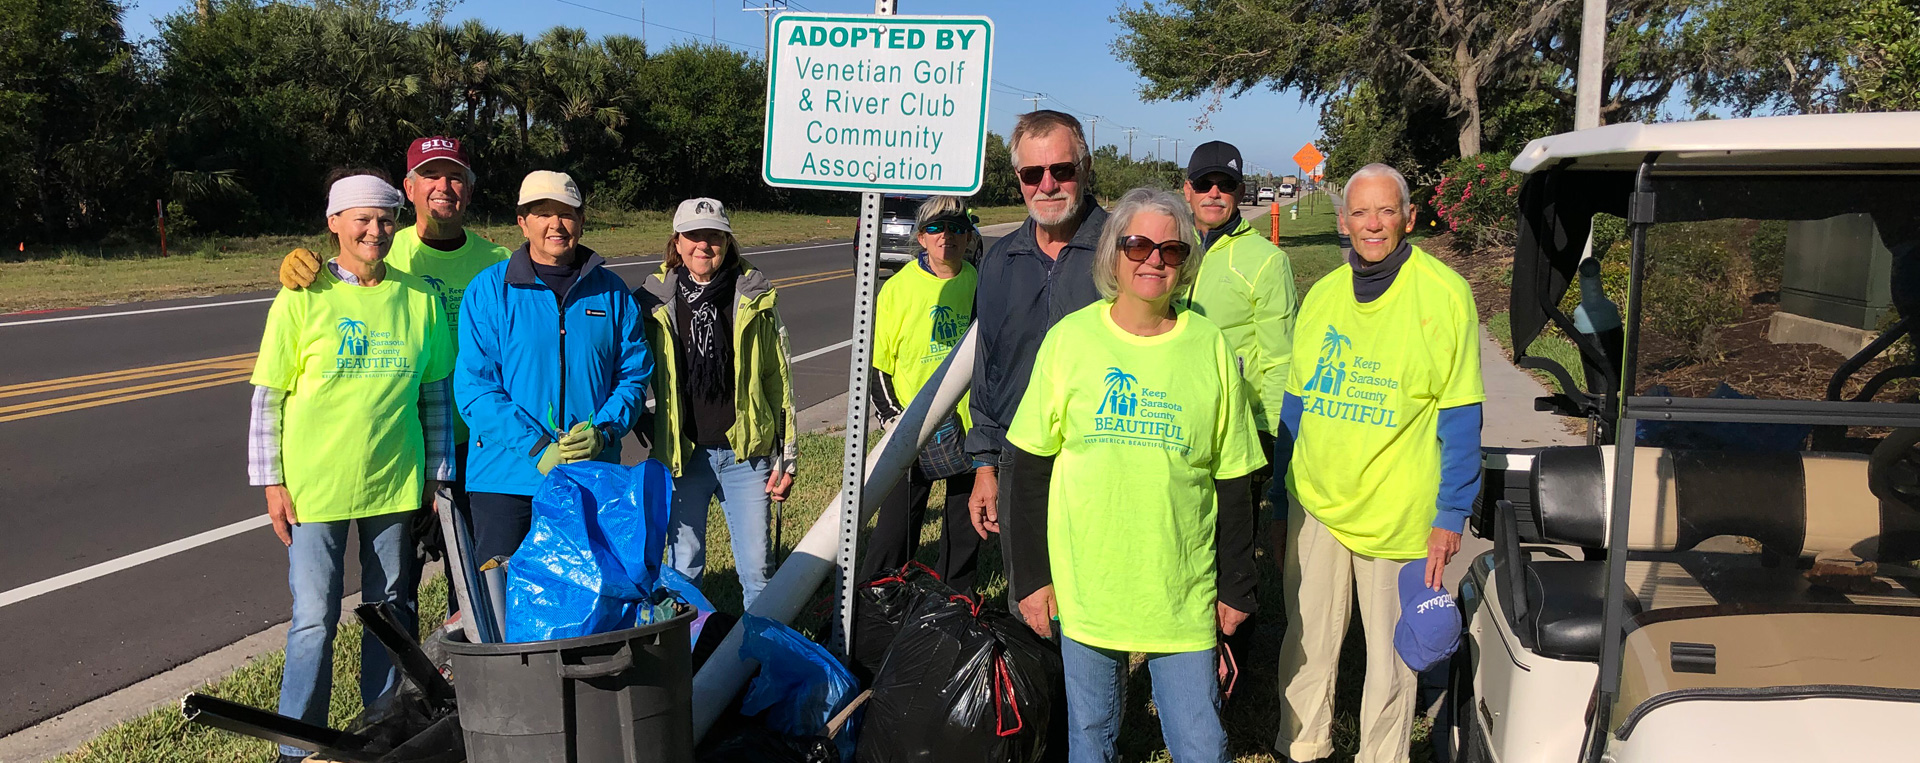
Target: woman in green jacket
[723, 417]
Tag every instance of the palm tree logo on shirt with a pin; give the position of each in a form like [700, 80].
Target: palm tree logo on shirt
[437, 284]
[353, 337]
[1331, 372]
[946, 328]
[1119, 400]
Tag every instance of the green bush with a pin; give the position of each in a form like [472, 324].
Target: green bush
[1698, 281]
[1475, 199]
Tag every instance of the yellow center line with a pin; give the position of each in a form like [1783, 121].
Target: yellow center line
[128, 374]
[814, 278]
[117, 391]
[211, 381]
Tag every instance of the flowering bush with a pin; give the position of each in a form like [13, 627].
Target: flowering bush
[1476, 199]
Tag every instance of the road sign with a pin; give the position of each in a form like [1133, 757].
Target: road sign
[878, 103]
[1308, 158]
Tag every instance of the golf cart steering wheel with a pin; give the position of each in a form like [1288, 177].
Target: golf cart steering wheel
[1893, 473]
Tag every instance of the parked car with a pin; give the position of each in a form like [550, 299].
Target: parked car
[1615, 619]
[1266, 195]
[1288, 190]
[897, 244]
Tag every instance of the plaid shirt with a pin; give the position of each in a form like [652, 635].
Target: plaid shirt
[263, 425]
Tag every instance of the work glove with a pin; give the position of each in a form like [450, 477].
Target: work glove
[299, 269]
[580, 443]
[550, 458]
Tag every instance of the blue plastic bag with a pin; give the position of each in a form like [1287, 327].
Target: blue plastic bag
[593, 553]
[800, 686]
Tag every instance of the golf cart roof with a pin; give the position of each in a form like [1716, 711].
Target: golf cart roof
[1810, 139]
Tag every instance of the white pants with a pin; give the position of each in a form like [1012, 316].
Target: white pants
[1322, 580]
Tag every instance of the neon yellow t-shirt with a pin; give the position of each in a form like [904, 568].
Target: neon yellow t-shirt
[446, 274]
[352, 360]
[1139, 428]
[917, 321]
[1366, 461]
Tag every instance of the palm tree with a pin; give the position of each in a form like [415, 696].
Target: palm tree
[352, 335]
[436, 283]
[943, 327]
[1119, 383]
[1333, 342]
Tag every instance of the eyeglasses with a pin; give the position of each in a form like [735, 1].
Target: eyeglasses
[1137, 248]
[1062, 172]
[1206, 185]
[953, 227]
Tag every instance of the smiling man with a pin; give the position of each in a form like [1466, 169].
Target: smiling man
[1379, 447]
[553, 363]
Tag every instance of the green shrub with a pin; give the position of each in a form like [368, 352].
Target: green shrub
[1475, 199]
[1697, 282]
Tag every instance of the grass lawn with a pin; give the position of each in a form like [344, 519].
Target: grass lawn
[1312, 243]
[1251, 716]
[79, 276]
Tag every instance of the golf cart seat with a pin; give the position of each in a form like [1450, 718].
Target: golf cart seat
[1681, 498]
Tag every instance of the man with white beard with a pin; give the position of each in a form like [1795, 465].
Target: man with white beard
[1029, 280]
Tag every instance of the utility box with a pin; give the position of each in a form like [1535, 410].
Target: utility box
[1837, 271]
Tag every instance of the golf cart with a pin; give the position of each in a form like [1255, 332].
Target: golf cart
[1731, 594]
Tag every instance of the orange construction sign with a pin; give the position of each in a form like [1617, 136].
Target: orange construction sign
[1308, 157]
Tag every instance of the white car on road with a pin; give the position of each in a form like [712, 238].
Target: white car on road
[1265, 197]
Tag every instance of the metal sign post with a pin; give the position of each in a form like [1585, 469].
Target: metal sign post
[874, 104]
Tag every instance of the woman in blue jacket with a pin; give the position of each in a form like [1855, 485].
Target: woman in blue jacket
[553, 363]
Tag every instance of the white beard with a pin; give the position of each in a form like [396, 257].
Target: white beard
[1072, 210]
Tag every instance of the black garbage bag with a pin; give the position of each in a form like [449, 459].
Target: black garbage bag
[881, 605]
[753, 742]
[964, 683]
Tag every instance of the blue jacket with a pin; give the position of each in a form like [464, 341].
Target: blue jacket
[516, 347]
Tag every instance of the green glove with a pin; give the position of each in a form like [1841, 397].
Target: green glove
[581, 443]
[550, 458]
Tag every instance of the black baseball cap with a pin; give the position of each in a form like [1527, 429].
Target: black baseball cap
[1215, 156]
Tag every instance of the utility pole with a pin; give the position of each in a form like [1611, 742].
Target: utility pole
[1094, 134]
[1593, 60]
[1130, 131]
[1034, 99]
[1176, 150]
[1156, 147]
[766, 9]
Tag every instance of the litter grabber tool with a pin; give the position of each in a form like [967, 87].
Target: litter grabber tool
[277, 728]
[383, 621]
[465, 579]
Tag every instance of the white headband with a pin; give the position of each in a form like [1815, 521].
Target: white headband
[362, 191]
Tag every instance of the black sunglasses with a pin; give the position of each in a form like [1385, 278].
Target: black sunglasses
[954, 227]
[1206, 185]
[1062, 172]
[1137, 248]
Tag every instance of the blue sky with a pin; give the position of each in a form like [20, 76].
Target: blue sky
[1058, 47]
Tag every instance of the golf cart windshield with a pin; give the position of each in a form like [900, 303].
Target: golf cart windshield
[1740, 345]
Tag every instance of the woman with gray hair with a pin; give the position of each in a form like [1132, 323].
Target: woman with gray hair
[351, 426]
[921, 314]
[1130, 520]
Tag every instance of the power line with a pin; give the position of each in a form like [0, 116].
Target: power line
[646, 23]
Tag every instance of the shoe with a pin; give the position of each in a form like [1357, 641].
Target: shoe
[285, 758]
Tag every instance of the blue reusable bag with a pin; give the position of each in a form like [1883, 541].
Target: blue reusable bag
[800, 685]
[592, 555]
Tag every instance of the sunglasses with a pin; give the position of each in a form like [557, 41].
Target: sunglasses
[1062, 173]
[953, 227]
[1206, 185]
[1137, 248]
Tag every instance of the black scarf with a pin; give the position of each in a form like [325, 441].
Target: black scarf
[1371, 279]
[706, 313]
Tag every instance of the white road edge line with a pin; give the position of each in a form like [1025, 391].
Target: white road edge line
[64, 318]
[162, 551]
[805, 356]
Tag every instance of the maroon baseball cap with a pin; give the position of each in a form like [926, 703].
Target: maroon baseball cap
[437, 147]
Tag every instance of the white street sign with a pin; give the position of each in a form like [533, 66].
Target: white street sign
[878, 104]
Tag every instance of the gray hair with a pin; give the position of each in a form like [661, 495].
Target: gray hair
[471, 178]
[1130, 206]
[937, 206]
[1379, 170]
[1045, 121]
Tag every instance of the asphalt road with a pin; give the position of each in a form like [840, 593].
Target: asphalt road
[124, 428]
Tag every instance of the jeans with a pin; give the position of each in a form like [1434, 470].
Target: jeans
[1186, 691]
[742, 489]
[316, 563]
[896, 538]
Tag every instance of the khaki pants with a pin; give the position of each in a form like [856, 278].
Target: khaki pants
[1322, 579]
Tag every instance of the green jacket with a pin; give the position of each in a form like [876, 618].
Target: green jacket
[763, 424]
[1245, 286]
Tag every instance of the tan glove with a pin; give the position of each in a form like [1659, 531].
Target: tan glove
[299, 269]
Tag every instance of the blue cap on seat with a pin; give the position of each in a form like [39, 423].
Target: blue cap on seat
[1429, 628]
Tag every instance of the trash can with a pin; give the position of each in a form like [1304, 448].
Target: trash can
[619, 697]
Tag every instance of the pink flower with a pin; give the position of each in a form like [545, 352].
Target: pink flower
[1481, 166]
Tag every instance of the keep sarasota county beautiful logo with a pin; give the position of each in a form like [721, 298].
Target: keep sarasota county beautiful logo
[1355, 393]
[1145, 418]
[365, 352]
[947, 325]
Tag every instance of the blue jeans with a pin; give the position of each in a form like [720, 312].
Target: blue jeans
[316, 564]
[1186, 691]
[742, 489]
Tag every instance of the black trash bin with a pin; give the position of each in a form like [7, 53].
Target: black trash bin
[620, 697]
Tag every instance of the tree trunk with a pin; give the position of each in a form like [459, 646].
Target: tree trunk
[205, 10]
[1470, 122]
